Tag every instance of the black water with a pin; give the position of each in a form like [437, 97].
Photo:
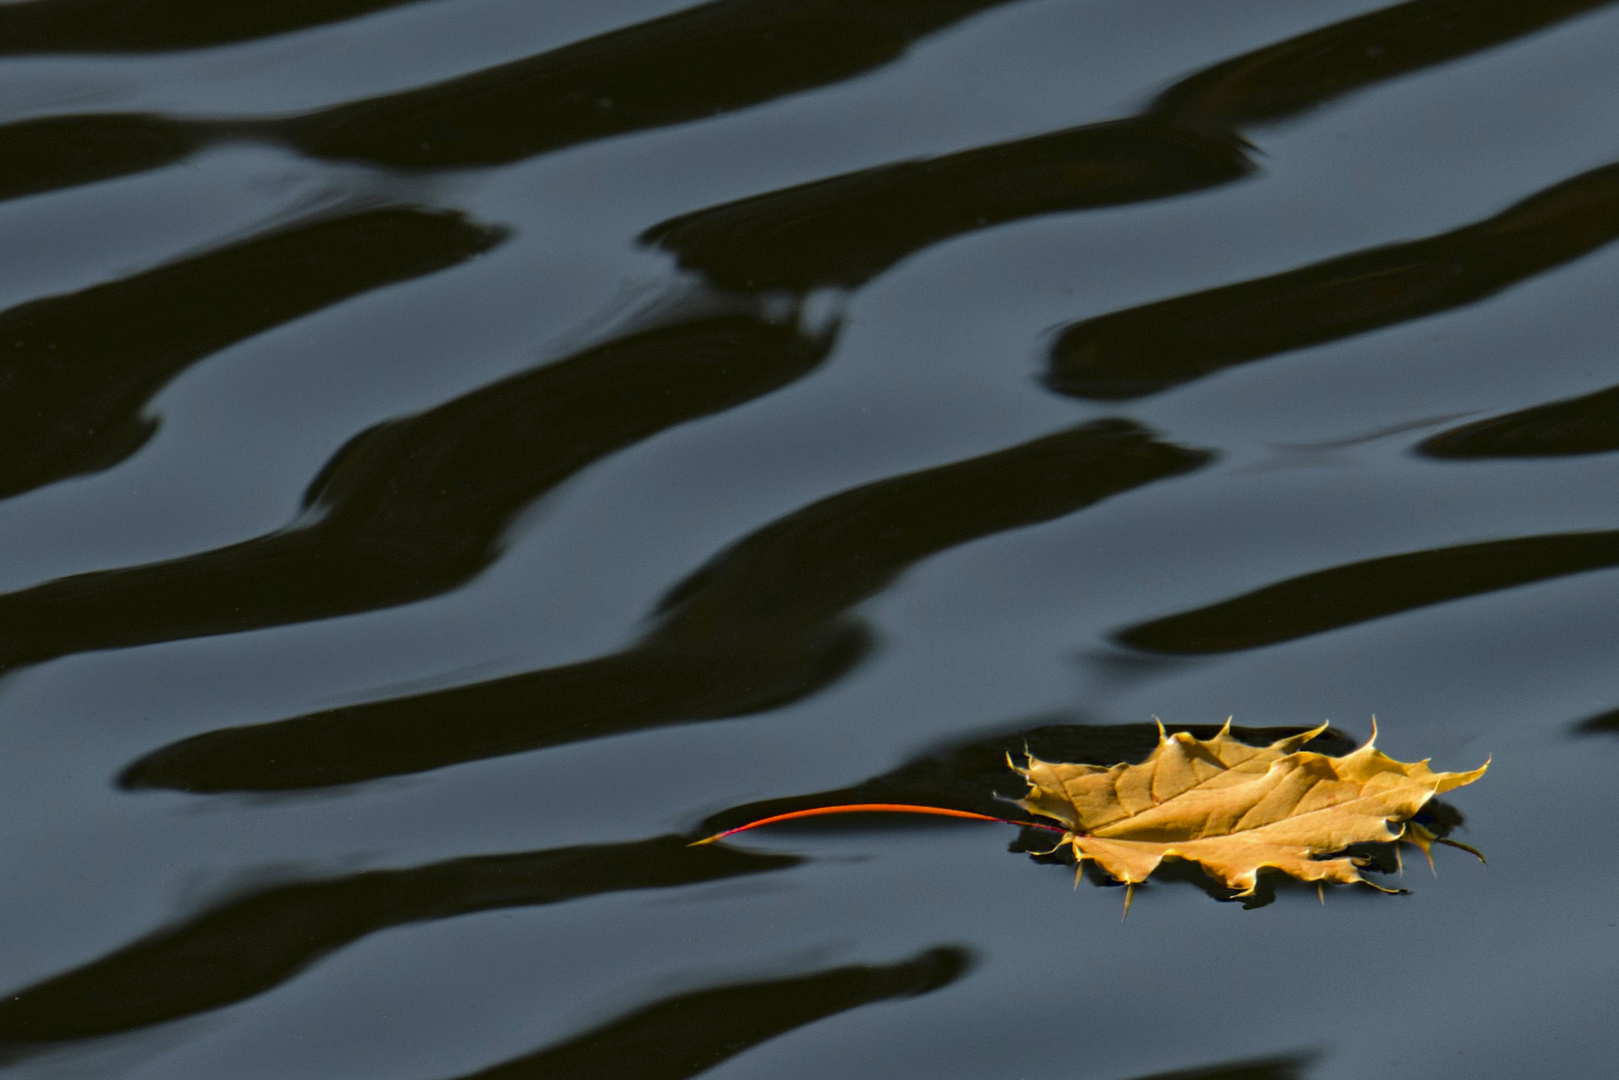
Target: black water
[453, 452]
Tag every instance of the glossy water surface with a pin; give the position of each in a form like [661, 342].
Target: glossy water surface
[455, 452]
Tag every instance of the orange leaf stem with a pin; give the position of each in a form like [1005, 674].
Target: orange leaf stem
[866, 808]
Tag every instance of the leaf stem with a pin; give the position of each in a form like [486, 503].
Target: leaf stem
[867, 808]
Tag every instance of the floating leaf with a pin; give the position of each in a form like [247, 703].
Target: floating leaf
[1230, 806]
[1236, 809]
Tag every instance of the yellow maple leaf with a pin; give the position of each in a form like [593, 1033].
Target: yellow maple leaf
[1235, 809]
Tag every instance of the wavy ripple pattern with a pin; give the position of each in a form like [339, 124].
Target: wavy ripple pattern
[551, 457]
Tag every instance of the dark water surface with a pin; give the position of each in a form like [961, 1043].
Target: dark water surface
[453, 452]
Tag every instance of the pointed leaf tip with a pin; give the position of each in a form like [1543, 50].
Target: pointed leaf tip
[1469, 848]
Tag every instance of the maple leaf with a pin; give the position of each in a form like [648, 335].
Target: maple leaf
[1236, 809]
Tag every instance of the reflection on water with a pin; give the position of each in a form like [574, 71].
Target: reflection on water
[80, 368]
[1584, 425]
[848, 229]
[1606, 723]
[1287, 78]
[414, 507]
[760, 625]
[254, 942]
[695, 63]
[1345, 595]
[136, 26]
[732, 54]
[1148, 349]
[706, 60]
[64, 151]
[684, 1035]
[1290, 1067]
[419, 506]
